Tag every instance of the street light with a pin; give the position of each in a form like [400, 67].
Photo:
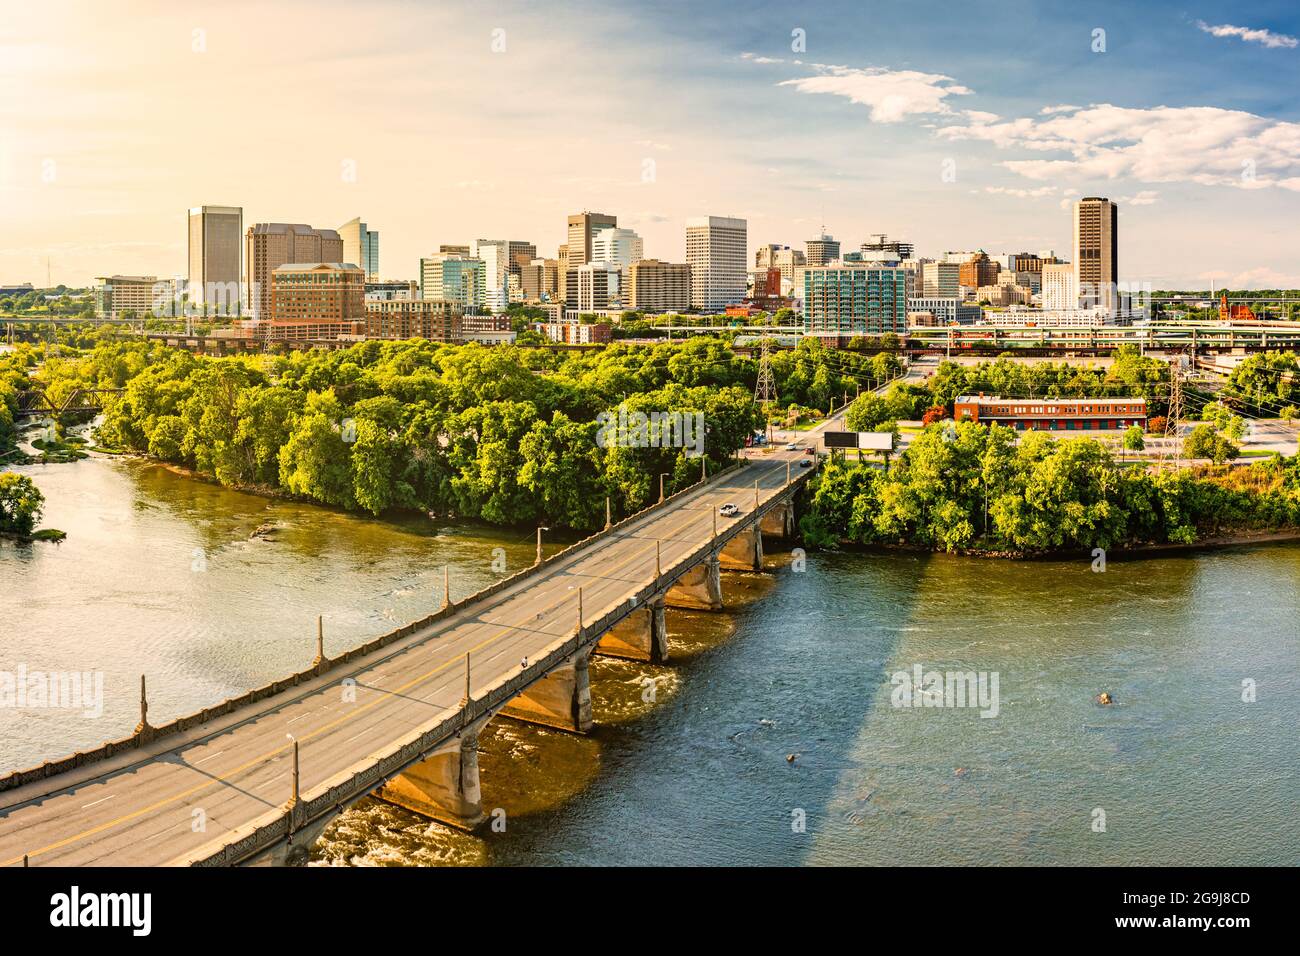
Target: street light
[540, 529]
[662, 476]
[293, 800]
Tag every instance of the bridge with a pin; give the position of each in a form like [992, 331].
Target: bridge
[36, 403]
[256, 779]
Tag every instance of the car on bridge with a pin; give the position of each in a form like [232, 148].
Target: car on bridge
[728, 510]
[791, 447]
[805, 462]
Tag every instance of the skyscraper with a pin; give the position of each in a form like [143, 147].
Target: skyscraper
[619, 246]
[822, 250]
[1096, 252]
[269, 245]
[360, 246]
[583, 227]
[215, 266]
[495, 256]
[716, 253]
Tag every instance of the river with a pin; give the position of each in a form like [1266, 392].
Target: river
[775, 714]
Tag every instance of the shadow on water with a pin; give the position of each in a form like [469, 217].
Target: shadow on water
[700, 773]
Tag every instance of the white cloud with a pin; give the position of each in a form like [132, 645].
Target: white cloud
[1144, 198]
[890, 95]
[1266, 37]
[1019, 193]
[1161, 144]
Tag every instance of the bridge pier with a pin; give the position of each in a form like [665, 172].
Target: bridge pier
[779, 522]
[744, 552]
[700, 588]
[445, 786]
[641, 636]
[561, 699]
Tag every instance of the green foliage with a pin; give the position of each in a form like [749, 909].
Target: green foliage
[21, 503]
[1266, 383]
[1206, 442]
[972, 487]
[501, 434]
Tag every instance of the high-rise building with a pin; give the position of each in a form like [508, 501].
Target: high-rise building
[583, 227]
[978, 270]
[784, 258]
[655, 287]
[593, 286]
[360, 246]
[1096, 252]
[454, 278]
[1060, 287]
[316, 300]
[540, 280]
[862, 299]
[519, 254]
[269, 245]
[716, 253]
[940, 280]
[215, 266]
[495, 256]
[822, 250]
[619, 246]
[453, 250]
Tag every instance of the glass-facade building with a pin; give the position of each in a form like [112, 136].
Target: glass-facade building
[865, 300]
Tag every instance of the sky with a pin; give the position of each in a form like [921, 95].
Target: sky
[955, 126]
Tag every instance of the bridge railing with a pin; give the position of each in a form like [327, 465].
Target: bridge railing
[188, 722]
[343, 788]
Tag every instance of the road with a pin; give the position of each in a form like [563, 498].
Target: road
[150, 812]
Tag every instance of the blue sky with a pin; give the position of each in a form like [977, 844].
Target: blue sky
[954, 125]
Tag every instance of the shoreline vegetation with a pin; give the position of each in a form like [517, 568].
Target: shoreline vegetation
[510, 436]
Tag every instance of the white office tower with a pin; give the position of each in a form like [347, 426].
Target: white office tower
[716, 253]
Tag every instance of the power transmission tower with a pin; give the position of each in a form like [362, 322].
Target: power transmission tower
[1175, 417]
[765, 387]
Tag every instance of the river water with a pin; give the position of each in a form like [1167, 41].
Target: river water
[772, 737]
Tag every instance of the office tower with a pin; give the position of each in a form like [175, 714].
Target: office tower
[879, 242]
[519, 254]
[360, 246]
[619, 246]
[495, 256]
[654, 286]
[316, 300]
[592, 286]
[215, 266]
[1096, 252]
[454, 278]
[784, 258]
[540, 280]
[1060, 286]
[861, 299]
[454, 251]
[269, 245]
[822, 250]
[978, 270]
[115, 296]
[940, 280]
[582, 230]
[715, 251]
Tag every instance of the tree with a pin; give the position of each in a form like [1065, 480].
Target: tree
[1205, 442]
[21, 504]
[935, 413]
[1133, 440]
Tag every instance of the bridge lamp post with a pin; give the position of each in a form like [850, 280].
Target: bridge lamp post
[662, 476]
[293, 800]
[540, 529]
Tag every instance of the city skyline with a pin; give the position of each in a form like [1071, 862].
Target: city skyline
[1181, 117]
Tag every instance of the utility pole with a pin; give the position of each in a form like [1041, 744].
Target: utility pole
[765, 387]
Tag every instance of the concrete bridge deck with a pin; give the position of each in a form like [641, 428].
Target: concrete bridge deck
[398, 721]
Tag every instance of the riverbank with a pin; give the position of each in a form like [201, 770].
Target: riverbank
[1116, 553]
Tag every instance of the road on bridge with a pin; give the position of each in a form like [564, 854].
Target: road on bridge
[145, 809]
